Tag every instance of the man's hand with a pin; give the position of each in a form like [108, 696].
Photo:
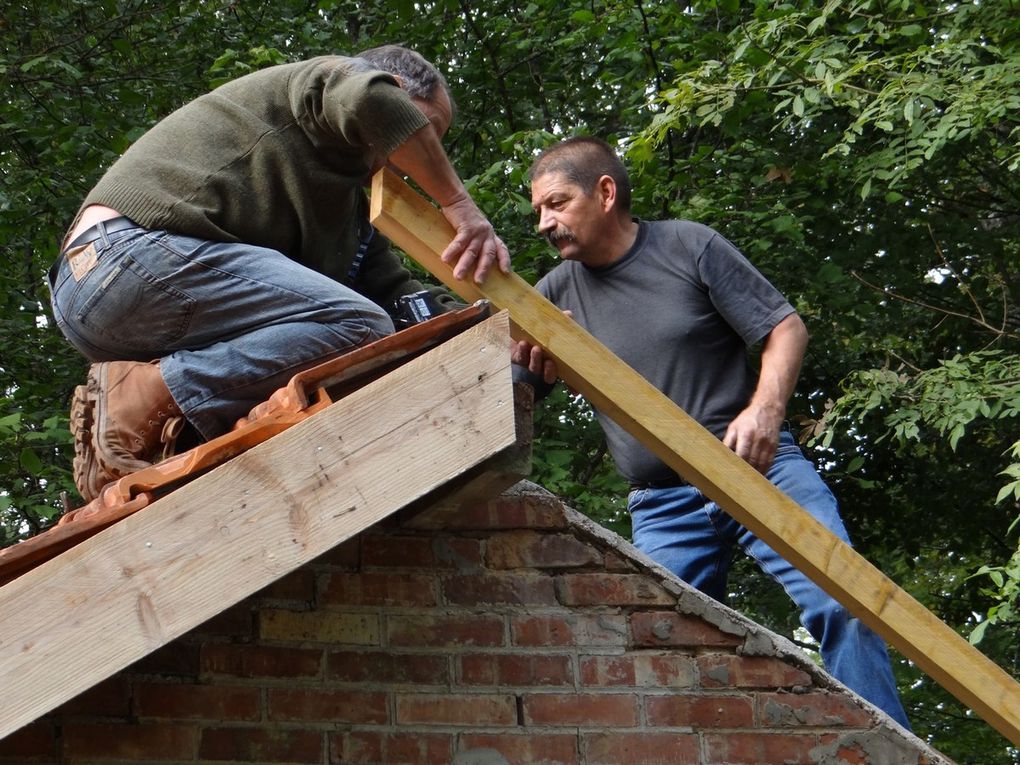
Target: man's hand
[754, 433]
[533, 357]
[475, 247]
[754, 436]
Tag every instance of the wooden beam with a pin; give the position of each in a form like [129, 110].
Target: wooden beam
[609, 384]
[134, 587]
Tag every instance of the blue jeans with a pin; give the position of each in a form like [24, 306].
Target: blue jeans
[229, 322]
[690, 535]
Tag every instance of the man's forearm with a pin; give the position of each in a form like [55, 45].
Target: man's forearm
[423, 159]
[781, 359]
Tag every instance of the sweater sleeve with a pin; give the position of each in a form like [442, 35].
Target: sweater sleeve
[344, 98]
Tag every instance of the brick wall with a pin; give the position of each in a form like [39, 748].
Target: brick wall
[513, 632]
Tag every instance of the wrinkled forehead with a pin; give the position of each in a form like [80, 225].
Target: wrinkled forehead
[552, 186]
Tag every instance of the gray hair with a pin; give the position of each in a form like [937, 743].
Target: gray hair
[419, 77]
[583, 160]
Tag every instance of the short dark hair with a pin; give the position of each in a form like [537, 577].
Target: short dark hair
[583, 160]
[419, 76]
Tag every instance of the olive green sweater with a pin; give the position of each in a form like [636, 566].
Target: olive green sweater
[277, 158]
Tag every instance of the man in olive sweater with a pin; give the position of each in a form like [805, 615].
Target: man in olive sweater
[230, 247]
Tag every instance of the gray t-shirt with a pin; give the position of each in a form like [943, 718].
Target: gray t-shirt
[681, 308]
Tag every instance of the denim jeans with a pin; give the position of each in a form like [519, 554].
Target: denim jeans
[690, 535]
[228, 322]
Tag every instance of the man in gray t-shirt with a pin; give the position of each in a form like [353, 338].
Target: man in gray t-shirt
[681, 305]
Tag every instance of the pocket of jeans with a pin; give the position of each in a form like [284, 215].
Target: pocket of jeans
[136, 309]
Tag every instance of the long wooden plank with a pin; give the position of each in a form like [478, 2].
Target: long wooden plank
[589, 367]
[139, 584]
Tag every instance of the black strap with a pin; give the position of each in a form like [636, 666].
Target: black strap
[112, 226]
[366, 239]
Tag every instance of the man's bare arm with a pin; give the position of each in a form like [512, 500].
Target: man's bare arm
[754, 433]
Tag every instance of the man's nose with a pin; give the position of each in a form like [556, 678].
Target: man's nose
[546, 222]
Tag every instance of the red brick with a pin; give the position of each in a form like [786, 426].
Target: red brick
[608, 671]
[403, 551]
[83, 742]
[304, 705]
[531, 549]
[261, 745]
[111, 698]
[366, 747]
[760, 747]
[668, 628]
[187, 702]
[516, 669]
[35, 741]
[379, 589]
[445, 631]
[646, 748]
[458, 552]
[387, 667]
[548, 749]
[604, 589]
[700, 711]
[260, 661]
[509, 512]
[620, 710]
[346, 555]
[422, 552]
[855, 753]
[298, 585]
[783, 710]
[638, 669]
[499, 589]
[176, 659]
[236, 622]
[728, 671]
[319, 627]
[573, 629]
[453, 709]
[614, 561]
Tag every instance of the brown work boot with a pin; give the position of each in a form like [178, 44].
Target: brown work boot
[122, 421]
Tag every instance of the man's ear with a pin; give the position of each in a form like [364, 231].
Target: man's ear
[399, 79]
[605, 187]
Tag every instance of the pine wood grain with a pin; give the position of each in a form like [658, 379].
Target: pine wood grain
[92, 611]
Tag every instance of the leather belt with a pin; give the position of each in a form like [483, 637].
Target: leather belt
[665, 483]
[112, 226]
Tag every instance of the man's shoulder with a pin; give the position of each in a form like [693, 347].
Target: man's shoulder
[680, 238]
[681, 228]
[312, 71]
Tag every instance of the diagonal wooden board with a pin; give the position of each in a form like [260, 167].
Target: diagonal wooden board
[418, 228]
[134, 587]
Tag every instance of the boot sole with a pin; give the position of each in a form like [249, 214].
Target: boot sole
[85, 466]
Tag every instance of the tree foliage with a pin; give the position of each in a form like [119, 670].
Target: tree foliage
[863, 154]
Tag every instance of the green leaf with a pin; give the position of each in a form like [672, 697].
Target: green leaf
[978, 633]
[30, 461]
[10, 424]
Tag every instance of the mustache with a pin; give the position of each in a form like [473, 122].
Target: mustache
[561, 234]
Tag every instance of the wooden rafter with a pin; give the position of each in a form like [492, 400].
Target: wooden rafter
[151, 577]
[608, 383]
